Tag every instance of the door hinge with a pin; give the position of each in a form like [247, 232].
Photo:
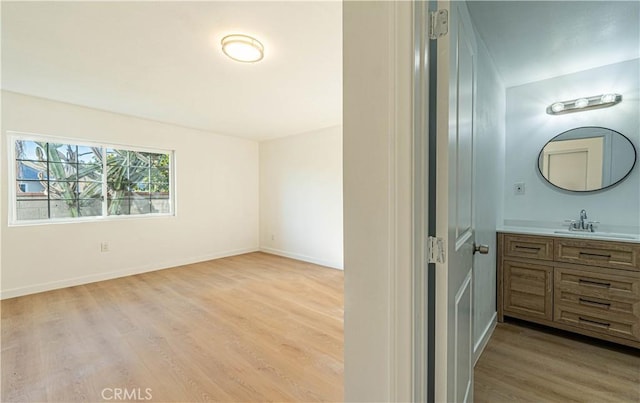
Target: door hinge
[436, 250]
[438, 24]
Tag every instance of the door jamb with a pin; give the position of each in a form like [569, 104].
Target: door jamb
[424, 202]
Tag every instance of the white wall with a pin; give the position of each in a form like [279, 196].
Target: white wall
[216, 192]
[489, 141]
[377, 69]
[301, 197]
[528, 128]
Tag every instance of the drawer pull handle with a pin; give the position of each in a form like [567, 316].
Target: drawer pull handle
[529, 249]
[595, 303]
[595, 255]
[594, 322]
[594, 283]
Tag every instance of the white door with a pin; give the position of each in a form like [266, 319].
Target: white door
[574, 164]
[454, 204]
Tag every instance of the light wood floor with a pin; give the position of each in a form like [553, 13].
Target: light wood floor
[525, 363]
[254, 327]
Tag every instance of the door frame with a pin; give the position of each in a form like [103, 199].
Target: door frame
[424, 202]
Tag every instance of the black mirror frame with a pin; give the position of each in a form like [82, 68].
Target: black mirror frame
[635, 161]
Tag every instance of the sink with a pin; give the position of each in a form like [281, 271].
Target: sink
[597, 234]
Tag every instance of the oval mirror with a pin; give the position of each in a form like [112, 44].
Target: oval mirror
[587, 159]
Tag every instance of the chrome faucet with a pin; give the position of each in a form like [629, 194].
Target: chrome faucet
[583, 216]
[583, 225]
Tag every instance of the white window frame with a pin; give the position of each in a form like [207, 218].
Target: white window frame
[13, 136]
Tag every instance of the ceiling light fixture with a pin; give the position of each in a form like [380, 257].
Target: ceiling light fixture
[242, 48]
[582, 104]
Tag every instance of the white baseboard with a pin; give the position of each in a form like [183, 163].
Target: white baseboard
[486, 335]
[304, 258]
[71, 282]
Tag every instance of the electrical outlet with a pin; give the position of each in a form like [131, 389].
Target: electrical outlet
[104, 247]
[518, 188]
[273, 237]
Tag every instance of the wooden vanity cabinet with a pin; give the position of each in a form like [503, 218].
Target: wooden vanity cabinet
[586, 286]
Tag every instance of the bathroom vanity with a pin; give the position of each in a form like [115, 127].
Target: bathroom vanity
[587, 285]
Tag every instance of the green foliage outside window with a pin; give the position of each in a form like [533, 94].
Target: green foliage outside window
[136, 182]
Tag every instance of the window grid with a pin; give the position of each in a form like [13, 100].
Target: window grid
[141, 195]
[136, 187]
[73, 177]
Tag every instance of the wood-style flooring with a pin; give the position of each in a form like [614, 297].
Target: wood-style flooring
[254, 327]
[527, 363]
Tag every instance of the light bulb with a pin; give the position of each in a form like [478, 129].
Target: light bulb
[557, 107]
[581, 103]
[607, 98]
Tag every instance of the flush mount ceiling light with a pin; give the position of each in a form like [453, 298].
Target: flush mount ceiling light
[242, 48]
[583, 104]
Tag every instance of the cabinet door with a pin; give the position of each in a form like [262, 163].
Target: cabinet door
[528, 291]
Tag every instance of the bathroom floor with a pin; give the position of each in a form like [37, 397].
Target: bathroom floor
[529, 363]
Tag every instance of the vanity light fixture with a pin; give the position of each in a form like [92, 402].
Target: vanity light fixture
[583, 104]
[242, 48]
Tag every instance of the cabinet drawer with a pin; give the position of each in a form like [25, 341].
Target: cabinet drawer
[528, 246]
[592, 283]
[528, 290]
[628, 328]
[597, 306]
[598, 253]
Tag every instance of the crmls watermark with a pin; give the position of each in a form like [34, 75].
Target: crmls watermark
[126, 394]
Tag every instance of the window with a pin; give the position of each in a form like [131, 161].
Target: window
[137, 182]
[60, 180]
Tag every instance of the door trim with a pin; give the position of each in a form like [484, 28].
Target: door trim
[423, 204]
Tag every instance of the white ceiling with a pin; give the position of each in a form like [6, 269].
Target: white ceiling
[162, 61]
[536, 40]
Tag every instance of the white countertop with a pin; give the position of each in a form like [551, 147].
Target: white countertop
[565, 233]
